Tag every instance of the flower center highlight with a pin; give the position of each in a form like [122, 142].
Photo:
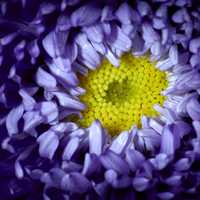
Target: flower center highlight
[119, 97]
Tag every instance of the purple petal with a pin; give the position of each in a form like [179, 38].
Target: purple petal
[110, 160]
[196, 125]
[194, 60]
[124, 13]
[33, 49]
[110, 176]
[173, 55]
[178, 16]
[149, 34]
[138, 46]
[159, 23]
[28, 101]
[183, 164]
[63, 63]
[167, 141]
[47, 8]
[54, 43]
[101, 188]
[150, 137]
[135, 159]
[88, 54]
[68, 102]
[70, 166]
[195, 45]
[165, 35]
[174, 180]
[44, 79]
[65, 77]
[140, 183]
[120, 143]
[156, 49]
[143, 8]
[49, 110]
[99, 47]
[165, 195]
[121, 42]
[71, 52]
[157, 126]
[31, 120]
[8, 38]
[181, 128]
[162, 11]
[165, 64]
[70, 148]
[94, 33]
[91, 165]
[160, 162]
[193, 109]
[12, 119]
[96, 138]
[85, 15]
[112, 58]
[75, 183]
[48, 143]
[64, 127]
[18, 170]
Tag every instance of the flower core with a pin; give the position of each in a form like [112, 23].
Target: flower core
[119, 97]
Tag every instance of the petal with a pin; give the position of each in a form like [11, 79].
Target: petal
[110, 176]
[31, 120]
[193, 109]
[70, 148]
[85, 15]
[91, 165]
[167, 141]
[182, 164]
[121, 42]
[143, 8]
[44, 79]
[96, 138]
[160, 162]
[48, 143]
[49, 110]
[110, 160]
[164, 64]
[124, 13]
[18, 170]
[94, 33]
[178, 16]
[12, 119]
[28, 101]
[174, 180]
[173, 55]
[140, 183]
[149, 34]
[135, 159]
[195, 45]
[54, 43]
[120, 143]
[75, 183]
[68, 102]
[64, 76]
[112, 58]
[165, 195]
[88, 54]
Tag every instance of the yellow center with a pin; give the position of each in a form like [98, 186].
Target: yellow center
[119, 97]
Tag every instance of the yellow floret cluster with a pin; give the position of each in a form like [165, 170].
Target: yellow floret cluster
[119, 97]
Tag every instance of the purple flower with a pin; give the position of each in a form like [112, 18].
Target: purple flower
[44, 46]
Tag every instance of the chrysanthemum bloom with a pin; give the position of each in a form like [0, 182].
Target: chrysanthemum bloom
[99, 100]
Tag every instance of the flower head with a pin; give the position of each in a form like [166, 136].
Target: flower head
[47, 54]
